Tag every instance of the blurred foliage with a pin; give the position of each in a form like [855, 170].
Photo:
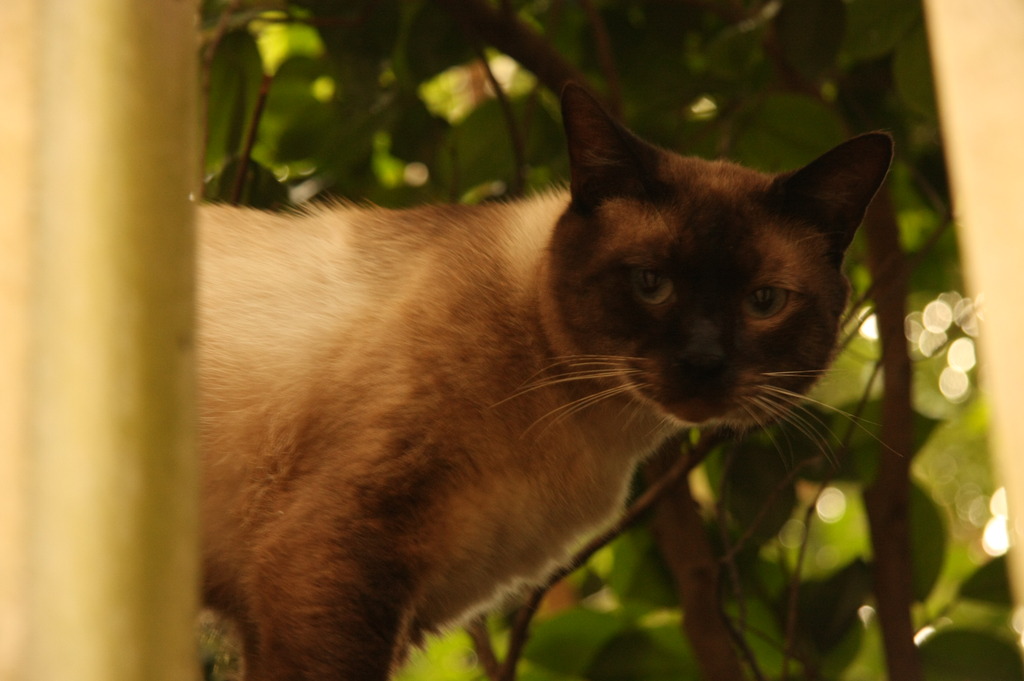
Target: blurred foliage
[392, 102]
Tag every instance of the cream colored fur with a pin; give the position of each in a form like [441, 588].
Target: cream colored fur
[428, 317]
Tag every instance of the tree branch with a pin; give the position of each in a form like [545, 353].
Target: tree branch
[887, 499]
[679, 532]
[516, 39]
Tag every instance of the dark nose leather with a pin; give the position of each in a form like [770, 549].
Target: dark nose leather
[702, 352]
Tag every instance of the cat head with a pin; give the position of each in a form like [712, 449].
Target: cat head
[709, 290]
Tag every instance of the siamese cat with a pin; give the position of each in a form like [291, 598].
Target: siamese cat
[409, 415]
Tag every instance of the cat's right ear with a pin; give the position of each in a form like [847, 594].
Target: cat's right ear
[834, 190]
[605, 159]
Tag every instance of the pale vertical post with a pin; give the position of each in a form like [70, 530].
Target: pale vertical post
[16, 158]
[112, 496]
[978, 54]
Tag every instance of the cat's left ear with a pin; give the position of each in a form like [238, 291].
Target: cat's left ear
[834, 190]
[605, 159]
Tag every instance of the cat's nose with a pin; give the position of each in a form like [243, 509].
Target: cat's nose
[702, 353]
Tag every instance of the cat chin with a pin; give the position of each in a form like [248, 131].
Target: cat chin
[697, 413]
[727, 418]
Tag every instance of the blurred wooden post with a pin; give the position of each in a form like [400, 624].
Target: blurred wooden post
[978, 53]
[111, 504]
[16, 146]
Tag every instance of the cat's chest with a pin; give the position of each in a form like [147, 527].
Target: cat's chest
[519, 521]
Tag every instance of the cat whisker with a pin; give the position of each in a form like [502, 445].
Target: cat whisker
[577, 368]
[795, 372]
[787, 409]
[797, 397]
[593, 374]
[811, 426]
[853, 419]
[757, 417]
[572, 361]
[637, 411]
[567, 410]
[664, 422]
[580, 361]
[795, 403]
[580, 376]
[561, 359]
[760, 416]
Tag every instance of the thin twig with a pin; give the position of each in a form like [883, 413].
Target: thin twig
[245, 153]
[739, 639]
[783, 484]
[519, 633]
[793, 590]
[477, 630]
[555, 14]
[727, 560]
[514, 134]
[911, 262]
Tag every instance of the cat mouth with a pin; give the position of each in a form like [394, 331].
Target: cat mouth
[697, 413]
[717, 405]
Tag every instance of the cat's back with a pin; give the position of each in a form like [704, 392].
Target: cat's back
[266, 275]
[275, 289]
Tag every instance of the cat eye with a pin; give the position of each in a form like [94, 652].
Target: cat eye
[766, 302]
[651, 286]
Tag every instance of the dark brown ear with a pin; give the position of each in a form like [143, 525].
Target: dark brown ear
[834, 190]
[605, 159]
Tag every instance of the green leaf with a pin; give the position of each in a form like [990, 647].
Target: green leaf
[638, 572]
[810, 32]
[786, 131]
[840, 656]
[757, 493]
[736, 51]
[358, 29]
[828, 608]
[235, 76]
[481, 150]
[416, 134]
[652, 655]
[912, 73]
[260, 188]
[569, 641]
[875, 27]
[966, 655]
[642, 34]
[295, 122]
[989, 583]
[927, 542]
[429, 43]
[529, 672]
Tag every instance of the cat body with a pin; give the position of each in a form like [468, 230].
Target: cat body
[384, 396]
[409, 415]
